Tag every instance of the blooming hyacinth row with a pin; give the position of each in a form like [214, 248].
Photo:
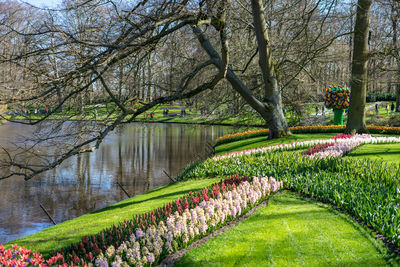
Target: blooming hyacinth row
[91, 246]
[273, 148]
[236, 193]
[283, 147]
[344, 145]
[341, 142]
[146, 247]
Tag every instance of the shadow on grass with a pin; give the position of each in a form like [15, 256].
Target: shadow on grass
[305, 248]
[240, 143]
[386, 152]
[129, 203]
[292, 250]
[243, 143]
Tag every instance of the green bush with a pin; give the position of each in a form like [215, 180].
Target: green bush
[373, 97]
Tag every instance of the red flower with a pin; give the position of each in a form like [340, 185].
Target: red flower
[76, 259]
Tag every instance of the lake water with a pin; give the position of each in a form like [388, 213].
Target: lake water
[135, 155]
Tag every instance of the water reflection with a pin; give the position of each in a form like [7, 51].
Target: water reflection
[135, 155]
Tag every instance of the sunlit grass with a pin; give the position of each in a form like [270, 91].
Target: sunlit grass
[291, 231]
[387, 152]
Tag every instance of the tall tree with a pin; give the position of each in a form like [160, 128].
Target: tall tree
[105, 38]
[394, 17]
[275, 119]
[356, 118]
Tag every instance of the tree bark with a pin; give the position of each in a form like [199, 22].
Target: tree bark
[275, 120]
[356, 118]
[395, 17]
[149, 80]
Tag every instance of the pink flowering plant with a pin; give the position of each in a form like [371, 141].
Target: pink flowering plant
[20, 256]
[110, 243]
[149, 245]
[150, 237]
[343, 144]
[318, 145]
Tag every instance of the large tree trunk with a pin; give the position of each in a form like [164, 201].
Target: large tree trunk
[275, 120]
[149, 80]
[356, 119]
[270, 113]
[395, 17]
[398, 95]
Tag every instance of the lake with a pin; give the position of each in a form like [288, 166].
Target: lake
[134, 155]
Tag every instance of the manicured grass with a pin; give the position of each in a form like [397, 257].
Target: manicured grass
[387, 152]
[263, 141]
[291, 231]
[72, 231]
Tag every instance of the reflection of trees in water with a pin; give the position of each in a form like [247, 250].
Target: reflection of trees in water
[133, 156]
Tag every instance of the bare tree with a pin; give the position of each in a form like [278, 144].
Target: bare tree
[115, 53]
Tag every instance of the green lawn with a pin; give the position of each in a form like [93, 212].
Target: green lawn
[291, 231]
[72, 231]
[387, 152]
[263, 141]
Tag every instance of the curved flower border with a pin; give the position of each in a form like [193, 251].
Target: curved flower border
[336, 143]
[179, 230]
[303, 129]
[151, 237]
[343, 146]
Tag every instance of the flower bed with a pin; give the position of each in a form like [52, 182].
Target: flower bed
[20, 256]
[179, 229]
[303, 129]
[367, 189]
[345, 143]
[150, 237]
[341, 142]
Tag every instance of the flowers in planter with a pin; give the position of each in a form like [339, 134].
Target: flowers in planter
[337, 97]
[149, 245]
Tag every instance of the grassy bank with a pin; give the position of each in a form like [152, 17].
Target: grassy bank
[72, 231]
[291, 231]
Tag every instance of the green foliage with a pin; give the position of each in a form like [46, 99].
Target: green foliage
[371, 97]
[368, 190]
